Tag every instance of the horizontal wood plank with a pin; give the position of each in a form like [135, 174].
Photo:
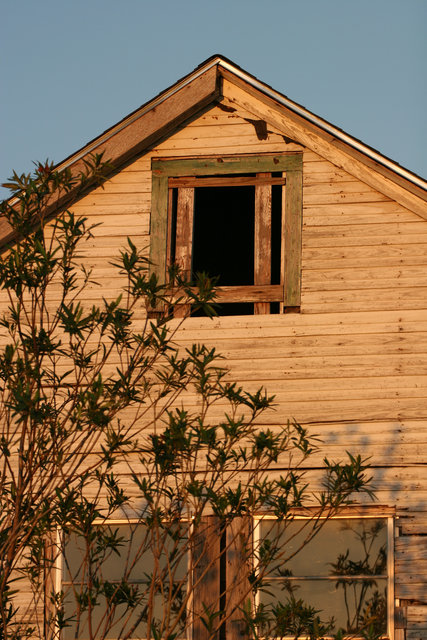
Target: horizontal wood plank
[417, 618]
[225, 181]
[323, 144]
[250, 293]
[225, 164]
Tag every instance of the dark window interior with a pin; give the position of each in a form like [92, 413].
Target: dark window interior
[223, 240]
[276, 233]
[276, 238]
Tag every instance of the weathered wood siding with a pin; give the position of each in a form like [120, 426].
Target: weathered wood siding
[353, 364]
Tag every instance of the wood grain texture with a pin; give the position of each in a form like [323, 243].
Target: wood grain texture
[184, 230]
[359, 165]
[226, 164]
[352, 366]
[206, 577]
[158, 229]
[262, 244]
[184, 239]
[238, 568]
[249, 293]
[416, 622]
[292, 239]
[232, 181]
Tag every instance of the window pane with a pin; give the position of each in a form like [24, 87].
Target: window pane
[123, 580]
[117, 621]
[229, 309]
[341, 547]
[353, 604]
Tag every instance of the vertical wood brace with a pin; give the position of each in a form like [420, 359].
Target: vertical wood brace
[184, 239]
[206, 578]
[282, 244]
[262, 257]
[169, 229]
[400, 619]
[390, 572]
[158, 226]
[238, 567]
[184, 230]
[292, 239]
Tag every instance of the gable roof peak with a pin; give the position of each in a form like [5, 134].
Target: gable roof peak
[219, 63]
[202, 88]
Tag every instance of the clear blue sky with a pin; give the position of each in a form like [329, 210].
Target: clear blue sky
[72, 68]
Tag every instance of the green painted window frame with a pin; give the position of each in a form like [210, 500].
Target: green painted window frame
[290, 164]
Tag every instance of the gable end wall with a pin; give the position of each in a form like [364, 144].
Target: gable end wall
[352, 366]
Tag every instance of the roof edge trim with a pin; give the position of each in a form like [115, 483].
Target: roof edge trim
[323, 124]
[152, 104]
[226, 64]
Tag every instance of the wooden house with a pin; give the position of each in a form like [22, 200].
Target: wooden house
[328, 310]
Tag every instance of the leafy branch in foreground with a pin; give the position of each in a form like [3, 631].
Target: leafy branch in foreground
[132, 466]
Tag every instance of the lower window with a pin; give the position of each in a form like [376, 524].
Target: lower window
[118, 580]
[343, 572]
[122, 577]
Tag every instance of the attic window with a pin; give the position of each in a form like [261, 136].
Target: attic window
[231, 217]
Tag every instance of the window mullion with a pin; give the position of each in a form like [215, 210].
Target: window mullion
[169, 240]
[184, 238]
[262, 252]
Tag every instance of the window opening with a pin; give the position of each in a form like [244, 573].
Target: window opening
[345, 571]
[230, 231]
[276, 240]
[174, 182]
